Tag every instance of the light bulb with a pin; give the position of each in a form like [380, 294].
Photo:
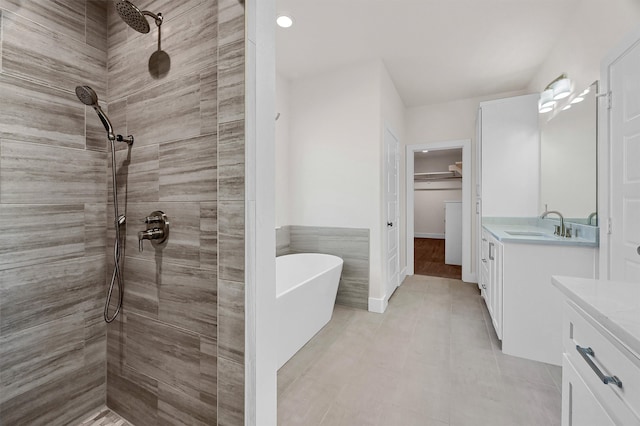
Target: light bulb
[561, 89]
[284, 21]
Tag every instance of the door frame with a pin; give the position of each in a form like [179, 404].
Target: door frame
[385, 234]
[605, 206]
[465, 144]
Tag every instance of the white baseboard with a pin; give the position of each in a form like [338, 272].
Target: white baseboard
[428, 235]
[378, 305]
[470, 277]
[403, 275]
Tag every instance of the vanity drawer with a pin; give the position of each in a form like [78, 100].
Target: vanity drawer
[611, 359]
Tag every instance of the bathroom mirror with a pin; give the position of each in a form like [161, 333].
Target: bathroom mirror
[568, 158]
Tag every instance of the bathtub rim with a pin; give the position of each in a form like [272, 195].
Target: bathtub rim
[340, 264]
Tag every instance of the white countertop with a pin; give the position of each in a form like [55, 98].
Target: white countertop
[614, 304]
[511, 233]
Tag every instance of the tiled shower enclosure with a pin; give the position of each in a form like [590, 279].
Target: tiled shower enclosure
[175, 355]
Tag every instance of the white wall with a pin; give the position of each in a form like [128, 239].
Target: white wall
[429, 210]
[282, 142]
[596, 27]
[335, 154]
[429, 197]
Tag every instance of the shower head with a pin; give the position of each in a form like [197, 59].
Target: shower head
[88, 97]
[135, 18]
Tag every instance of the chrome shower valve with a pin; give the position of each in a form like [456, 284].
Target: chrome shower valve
[157, 230]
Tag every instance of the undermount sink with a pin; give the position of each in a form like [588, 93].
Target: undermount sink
[526, 233]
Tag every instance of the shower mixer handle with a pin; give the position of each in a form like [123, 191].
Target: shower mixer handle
[153, 219]
[149, 234]
[157, 230]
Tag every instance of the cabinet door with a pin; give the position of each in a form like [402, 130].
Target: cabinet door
[579, 406]
[496, 255]
[484, 266]
[509, 130]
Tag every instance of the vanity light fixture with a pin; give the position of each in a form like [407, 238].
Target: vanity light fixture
[284, 21]
[546, 102]
[577, 99]
[566, 107]
[559, 88]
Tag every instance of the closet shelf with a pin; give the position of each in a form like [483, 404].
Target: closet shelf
[456, 168]
[455, 172]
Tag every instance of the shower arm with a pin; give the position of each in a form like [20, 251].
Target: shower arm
[158, 18]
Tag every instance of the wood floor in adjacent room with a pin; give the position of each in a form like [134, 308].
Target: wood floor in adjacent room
[429, 259]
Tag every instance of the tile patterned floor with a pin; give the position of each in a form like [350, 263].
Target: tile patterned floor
[431, 359]
[105, 417]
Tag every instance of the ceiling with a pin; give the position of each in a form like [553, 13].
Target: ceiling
[435, 50]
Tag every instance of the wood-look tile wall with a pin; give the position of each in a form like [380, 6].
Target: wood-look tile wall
[52, 212]
[176, 355]
[351, 244]
[231, 212]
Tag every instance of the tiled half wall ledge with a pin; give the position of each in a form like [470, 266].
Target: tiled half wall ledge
[351, 244]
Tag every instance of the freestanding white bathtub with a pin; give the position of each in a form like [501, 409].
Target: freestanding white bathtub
[306, 289]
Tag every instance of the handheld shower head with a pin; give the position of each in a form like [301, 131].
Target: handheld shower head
[135, 18]
[88, 97]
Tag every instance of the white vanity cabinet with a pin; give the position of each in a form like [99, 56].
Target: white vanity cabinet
[491, 278]
[532, 307]
[525, 308]
[601, 362]
[588, 352]
[508, 151]
[509, 148]
[579, 405]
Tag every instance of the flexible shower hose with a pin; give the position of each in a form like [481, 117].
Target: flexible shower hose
[117, 253]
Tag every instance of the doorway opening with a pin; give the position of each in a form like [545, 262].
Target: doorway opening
[436, 190]
[438, 176]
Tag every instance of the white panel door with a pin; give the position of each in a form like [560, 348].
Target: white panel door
[625, 166]
[391, 193]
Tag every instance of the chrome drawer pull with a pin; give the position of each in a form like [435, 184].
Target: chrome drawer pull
[587, 353]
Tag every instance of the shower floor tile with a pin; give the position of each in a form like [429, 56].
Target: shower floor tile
[105, 417]
[431, 359]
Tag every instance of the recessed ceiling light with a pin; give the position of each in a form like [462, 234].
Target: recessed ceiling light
[284, 21]
[425, 150]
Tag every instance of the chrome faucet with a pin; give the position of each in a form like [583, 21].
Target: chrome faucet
[560, 230]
